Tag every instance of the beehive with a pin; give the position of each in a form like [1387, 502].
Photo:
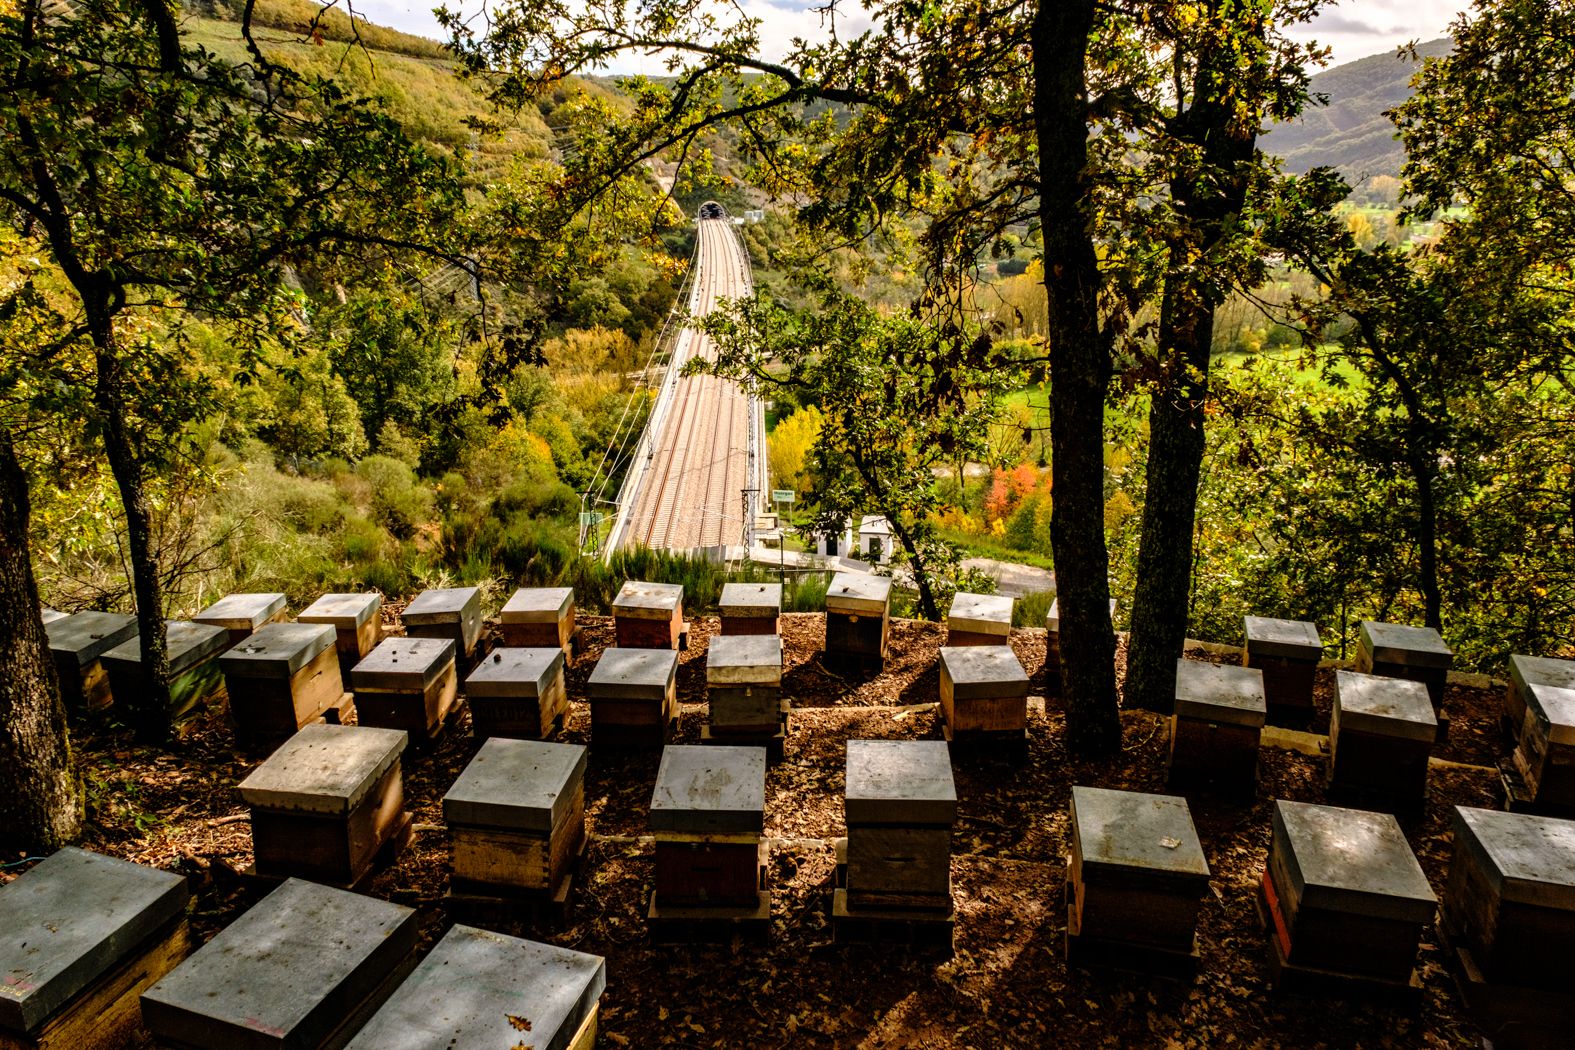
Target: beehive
[241, 614]
[1216, 726]
[1526, 671]
[539, 618]
[409, 684]
[751, 608]
[1053, 643]
[1545, 757]
[634, 697]
[1380, 738]
[1415, 653]
[326, 802]
[516, 816]
[282, 677]
[1344, 893]
[193, 650]
[707, 815]
[357, 624]
[983, 690]
[900, 802]
[858, 617]
[979, 619]
[1510, 898]
[1287, 653]
[743, 676]
[447, 613]
[81, 937]
[491, 992]
[78, 642]
[648, 615]
[1137, 874]
[518, 693]
[292, 973]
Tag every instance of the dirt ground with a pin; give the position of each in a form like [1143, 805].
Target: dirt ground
[1007, 983]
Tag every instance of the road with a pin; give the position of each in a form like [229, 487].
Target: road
[688, 491]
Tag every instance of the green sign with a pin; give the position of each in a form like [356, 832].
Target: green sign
[782, 495]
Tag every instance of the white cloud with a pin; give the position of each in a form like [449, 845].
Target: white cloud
[1360, 28]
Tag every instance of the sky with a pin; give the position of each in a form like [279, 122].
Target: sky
[1353, 30]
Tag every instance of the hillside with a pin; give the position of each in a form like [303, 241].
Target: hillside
[1351, 133]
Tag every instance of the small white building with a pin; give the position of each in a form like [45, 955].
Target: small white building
[837, 545]
[875, 539]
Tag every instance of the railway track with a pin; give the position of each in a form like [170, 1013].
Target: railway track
[690, 491]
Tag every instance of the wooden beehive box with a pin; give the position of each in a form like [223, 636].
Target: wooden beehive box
[984, 690]
[1216, 727]
[858, 617]
[1415, 653]
[78, 643]
[539, 618]
[1344, 894]
[300, 970]
[483, 990]
[285, 676]
[1510, 898]
[241, 614]
[326, 802]
[451, 613]
[49, 616]
[1380, 738]
[900, 802]
[1287, 652]
[81, 937]
[1526, 671]
[193, 650]
[743, 675]
[751, 608]
[409, 684]
[707, 814]
[633, 696]
[357, 624]
[979, 619]
[1053, 643]
[1137, 874]
[516, 816]
[1545, 756]
[518, 693]
[648, 615]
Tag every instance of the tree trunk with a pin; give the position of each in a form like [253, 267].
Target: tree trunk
[1427, 536]
[42, 799]
[1209, 200]
[149, 713]
[1079, 376]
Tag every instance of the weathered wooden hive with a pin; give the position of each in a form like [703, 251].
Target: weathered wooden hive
[1136, 880]
[193, 650]
[300, 970]
[327, 802]
[357, 624]
[1545, 756]
[648, 615]
[518, 693]
[1216, 727]
[751, 608]
[1415, 653]
[483, 990]
[1053, 643]
[241, 614]
[1509, 903]
[1380, 739]
[284, 676]
[1526, 671]
[447, 613]
[900, 802]
[984, 693]
[979, 619]
[1287, 653]
[743, 674]
[81, 937]
[516, 816]
[1344, 896]
[539, 618]
[708, 815]
[633, 696]
[409, 684]
[78, 643]
[858, 618]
